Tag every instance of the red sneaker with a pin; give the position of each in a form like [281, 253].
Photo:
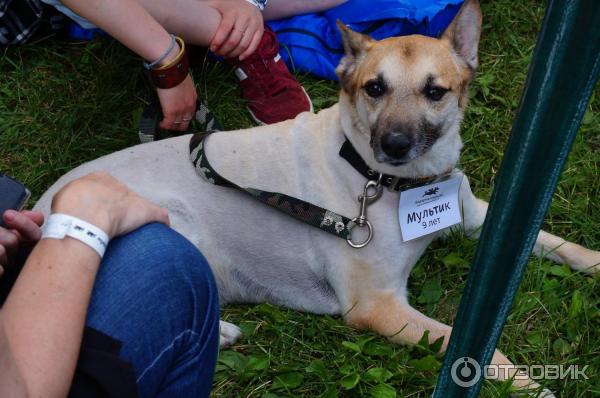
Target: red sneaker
[273, 94]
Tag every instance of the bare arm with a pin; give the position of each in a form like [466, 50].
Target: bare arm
[129, 23]
[42, 321]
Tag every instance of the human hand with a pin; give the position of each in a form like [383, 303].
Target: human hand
[178, 105]
[101, 200]
[22, 228]
[240, 30]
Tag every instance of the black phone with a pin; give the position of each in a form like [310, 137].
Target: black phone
[13, 195]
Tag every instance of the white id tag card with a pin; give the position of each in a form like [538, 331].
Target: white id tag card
[429, 208]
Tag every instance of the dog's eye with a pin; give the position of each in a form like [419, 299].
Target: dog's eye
[435, 93]
[375, 88]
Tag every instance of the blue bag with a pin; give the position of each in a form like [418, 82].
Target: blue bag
[312, 43]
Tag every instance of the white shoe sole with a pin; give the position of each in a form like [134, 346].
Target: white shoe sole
[261, 123]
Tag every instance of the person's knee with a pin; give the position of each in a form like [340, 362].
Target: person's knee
[155, 268]
[158, 249]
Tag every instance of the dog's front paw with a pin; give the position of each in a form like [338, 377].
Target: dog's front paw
[229, 333]
[545, 393]
[592, 262]
[582, 259]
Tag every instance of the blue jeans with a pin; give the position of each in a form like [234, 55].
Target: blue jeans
[156, 294]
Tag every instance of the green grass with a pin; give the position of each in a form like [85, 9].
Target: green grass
[62, 104]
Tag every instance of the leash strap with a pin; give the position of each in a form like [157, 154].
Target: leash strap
[150, 130]
[306, 212]
[393, 183]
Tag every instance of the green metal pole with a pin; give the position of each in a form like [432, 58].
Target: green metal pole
[562, 75]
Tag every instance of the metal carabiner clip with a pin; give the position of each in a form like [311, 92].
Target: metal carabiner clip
[361, 220]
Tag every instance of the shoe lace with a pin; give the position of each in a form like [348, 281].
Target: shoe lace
[260, 62]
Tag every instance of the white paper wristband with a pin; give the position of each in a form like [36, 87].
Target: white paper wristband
[59, 226]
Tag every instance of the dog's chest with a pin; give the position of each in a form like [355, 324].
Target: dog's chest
[301, 159]
[297, 158]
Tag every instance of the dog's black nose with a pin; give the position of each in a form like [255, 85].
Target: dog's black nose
[395, 145]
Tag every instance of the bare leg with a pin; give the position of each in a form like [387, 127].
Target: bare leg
[193, 20]
[196, 22]
[276, 9]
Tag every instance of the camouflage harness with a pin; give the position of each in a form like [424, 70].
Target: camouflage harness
[306, 212]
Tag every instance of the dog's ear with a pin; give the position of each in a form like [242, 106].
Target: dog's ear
[464, 31]
[355, 48]
[355, 44]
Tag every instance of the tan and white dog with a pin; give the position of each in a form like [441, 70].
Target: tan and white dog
[401, 105]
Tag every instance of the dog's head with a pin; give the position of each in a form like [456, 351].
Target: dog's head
[407, 94]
